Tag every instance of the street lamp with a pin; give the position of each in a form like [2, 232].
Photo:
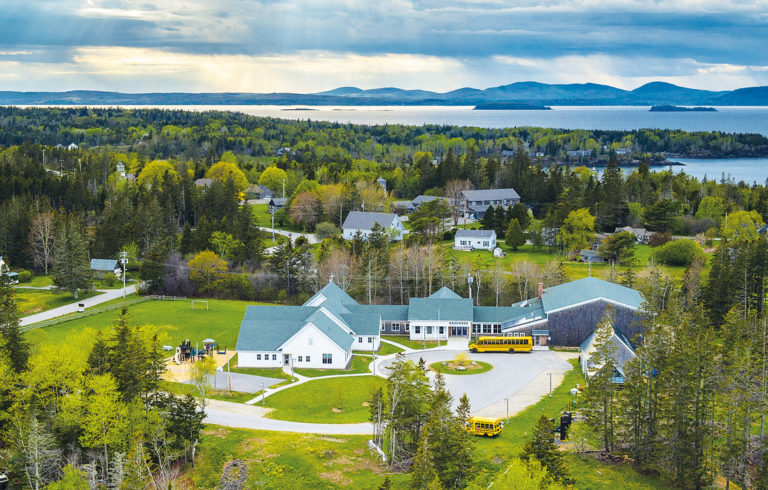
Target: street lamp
[507, 400]
[550, 384]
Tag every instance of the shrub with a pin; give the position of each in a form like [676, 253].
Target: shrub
[110, 279]
[462, 359]
[678, 252]
[326, 230]
[25, 276]
[659, 239]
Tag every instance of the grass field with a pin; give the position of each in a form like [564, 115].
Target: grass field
[33, 301]
[223, 395]
[263, 218]
[281, 460]
[484, 260]
[358, 364]
[221, 322]
[325, 401]
[438, 367]
[413, 344]
[40, 281]
[384, 349]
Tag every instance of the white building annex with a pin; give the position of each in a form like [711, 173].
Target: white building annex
[474, 240]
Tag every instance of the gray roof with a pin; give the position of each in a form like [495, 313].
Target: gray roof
[589, 289]
[444, 293]
[203, 182]
[623, 352]
[461, 233]
[333, 293]
[490, 194]
[422, 199]
[266, 328]
[106, 265]
[359, 220]
[385, 312]
[278, 201]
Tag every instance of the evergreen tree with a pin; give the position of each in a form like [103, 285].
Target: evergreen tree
[520, 213]
[12, 342]
[515, 236]
[423, 469]
[542, 448]
[600, 395]
[71, 269]
[489, 219]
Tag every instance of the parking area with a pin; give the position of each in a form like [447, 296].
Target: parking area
[523, 378]
[241, 382]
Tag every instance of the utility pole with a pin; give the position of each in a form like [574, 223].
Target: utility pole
[124, 261]
[283, 188]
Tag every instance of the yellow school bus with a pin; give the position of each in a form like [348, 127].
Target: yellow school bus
[502, 344]
[483, 426]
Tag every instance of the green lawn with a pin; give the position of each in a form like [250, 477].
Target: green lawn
[413, 344]
[263, 218]
[438, 366]
[484, 260]
[358, 364]
[325, 401]
[384, 349]
[283, 460]
[39, 281]
[223, 395]
[221, 322]
[33, 301]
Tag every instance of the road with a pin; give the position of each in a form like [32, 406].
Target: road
[245, 416]
[311, 237]
[107, 295]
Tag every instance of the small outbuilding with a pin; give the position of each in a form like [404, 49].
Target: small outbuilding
[591, 257]
[276, 203]
[474, 240]
[103, 267]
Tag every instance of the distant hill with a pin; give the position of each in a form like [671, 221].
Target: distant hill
[533, 93]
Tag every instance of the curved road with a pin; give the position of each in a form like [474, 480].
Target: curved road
[107, 295]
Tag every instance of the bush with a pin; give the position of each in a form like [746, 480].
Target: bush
[110, 279]
[449, 234]
[25, 276]
[326, 230]
[678, 252]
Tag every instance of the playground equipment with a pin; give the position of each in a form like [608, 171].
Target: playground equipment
[186, 352]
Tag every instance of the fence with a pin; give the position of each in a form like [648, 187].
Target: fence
[92, 311]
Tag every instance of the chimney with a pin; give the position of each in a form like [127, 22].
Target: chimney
[541, 289]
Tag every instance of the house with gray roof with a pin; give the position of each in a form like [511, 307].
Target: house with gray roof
[474, 240]
[421, 199]
[276, 203]
[324, 331]
[106, 266]
[363, 222]
[477, 202]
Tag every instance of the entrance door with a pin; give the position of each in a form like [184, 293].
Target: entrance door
[286, 359]
[536, 339]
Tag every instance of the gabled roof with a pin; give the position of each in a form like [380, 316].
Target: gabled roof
[460, 233]
[445, 293]
[422, 199]
[440, 309]
[278, 201]
[586, 290]
[359, 220]
[333, 293]
[490, 194]
[107, 265]
[623, 351]
[323, 323]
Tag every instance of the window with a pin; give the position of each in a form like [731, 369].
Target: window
[307, 358]
[486, 328]
[310, 341]
[274, 357]
[359, 340]
[497, 328]
[258, 357]
[486, 243]
[327, 358]
[416, 329]
[382, 326]
[463, 242]
[475, 328]
[370, 340]
[395, 327]
[301, 359]
[442, 330]
[406, 326]
[429, 330]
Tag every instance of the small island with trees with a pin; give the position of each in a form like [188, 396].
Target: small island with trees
[677, 108]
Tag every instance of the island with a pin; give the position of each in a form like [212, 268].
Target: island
[677, 108]
[510, 106]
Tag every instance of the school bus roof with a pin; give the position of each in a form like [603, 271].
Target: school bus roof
[487, 420]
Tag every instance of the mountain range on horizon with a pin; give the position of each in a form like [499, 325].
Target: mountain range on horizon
[653, 93]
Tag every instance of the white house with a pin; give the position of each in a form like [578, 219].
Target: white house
[621, 352]
[363, 222]
[474, 239]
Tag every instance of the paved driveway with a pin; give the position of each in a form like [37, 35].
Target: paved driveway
[244, 383]
[107, 295]
[511, 373]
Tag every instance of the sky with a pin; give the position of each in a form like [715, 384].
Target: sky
[314, 45]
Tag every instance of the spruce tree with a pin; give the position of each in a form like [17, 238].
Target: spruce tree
[12, 343]
[600, 395]
[543, 449]
[423, 468]
[520, 213]
[71, 270]
[489, 219]
[515, 236]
